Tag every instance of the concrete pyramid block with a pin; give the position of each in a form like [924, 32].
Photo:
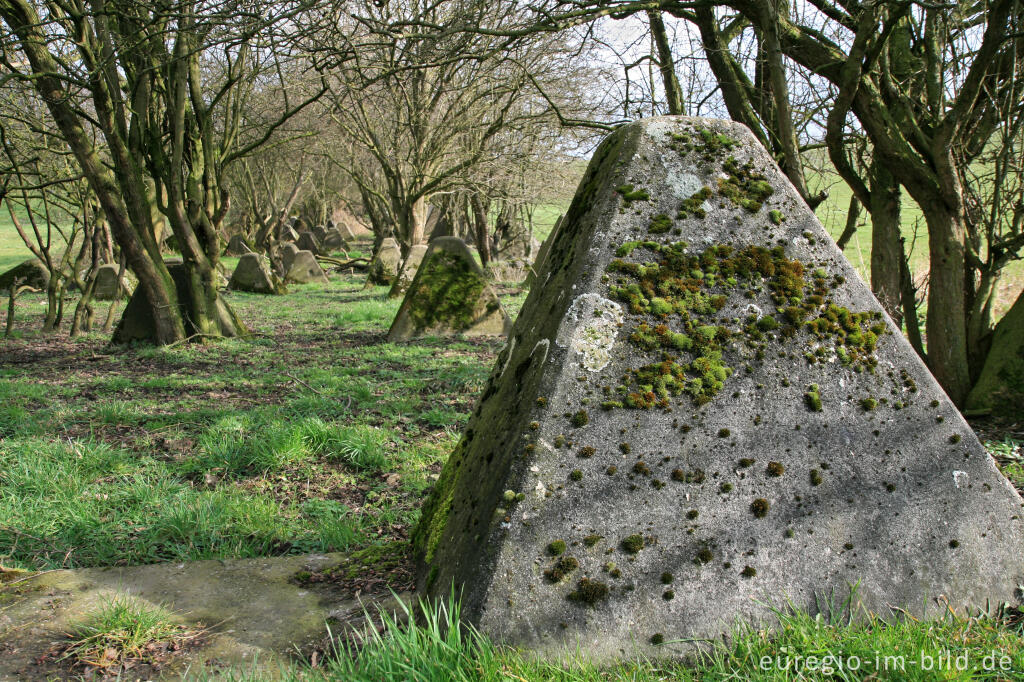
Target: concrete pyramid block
[333, 241]
[307, 241]
[408, 271]
[237, 246]
[305, 269]
[253, 274]
[703, 413]
[106, 287]
[449, 295]
[384, 266]
[30, 273]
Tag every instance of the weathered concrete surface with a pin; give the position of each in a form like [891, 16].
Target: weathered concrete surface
[307, 241]
[449, 296]
[106, 287]
[305, 269]
[333, 241]
[407, 271]
[542, 254]
[255, 615]
[253, 274]
[1000, 388]
[781, 475]
[31, 272]
[237, 246]
[384, 266]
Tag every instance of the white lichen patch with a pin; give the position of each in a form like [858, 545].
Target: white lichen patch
[960, 478]
[589, 329]
[684, 184]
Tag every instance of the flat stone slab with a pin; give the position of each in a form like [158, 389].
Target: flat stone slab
[449, 295]
[255, 615]
[701, 413]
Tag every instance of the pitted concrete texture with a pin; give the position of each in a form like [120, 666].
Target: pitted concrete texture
[702, 412]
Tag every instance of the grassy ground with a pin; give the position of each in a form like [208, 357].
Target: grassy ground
[316, 435]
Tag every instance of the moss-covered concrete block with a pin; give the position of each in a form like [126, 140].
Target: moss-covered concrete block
[385, 264]
[684, 396]
[449, 295]
[408, 271]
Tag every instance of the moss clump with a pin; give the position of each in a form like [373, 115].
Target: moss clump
[668, 595]
[589, 591]
[666, 578]
[715, 143]
[816, 478]
[592, 540]
[629, 195]
[562, 568]
[746, 462]
[587, 452]
[775, 469]
[775, 215]
[657, 638]
[693, 206]
[576, 475]
[580, 418]
[534, 426]
[684, 293]
[759, 508]
[744, 186]
[642, 469]
[812, 398]
[725, 488]
[633, 543]
[660, 224]
[955, 438]
[448, 290]
[748, 572]
[724, 433]
[692, 514]
[556, 547]
[704, 556]
[611, 470]
[869, 404]
[542, 401]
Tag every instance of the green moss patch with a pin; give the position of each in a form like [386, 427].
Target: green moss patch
[448, 291]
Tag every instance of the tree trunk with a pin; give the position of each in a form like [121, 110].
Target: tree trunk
[666, 65]
[946, 325]
[482, 238]
[886, 246]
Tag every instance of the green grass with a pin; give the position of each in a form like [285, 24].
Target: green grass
[116, 456]
[800, 646]
[120, 630]
[12, 248]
